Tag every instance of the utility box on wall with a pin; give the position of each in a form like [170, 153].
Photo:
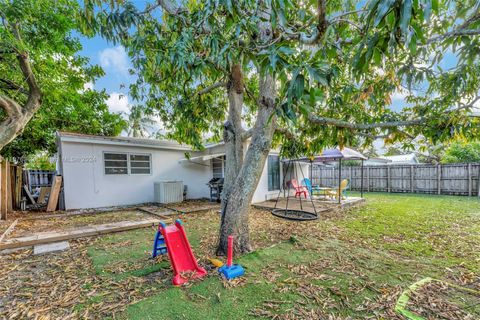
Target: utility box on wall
[168, 191]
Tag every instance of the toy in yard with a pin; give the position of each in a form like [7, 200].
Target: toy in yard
[159, 246]
[217, 263]
[180, 253]
[231, 271]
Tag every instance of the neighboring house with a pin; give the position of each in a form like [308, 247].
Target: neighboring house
[111, 171]
[403, 159]
[376, 162]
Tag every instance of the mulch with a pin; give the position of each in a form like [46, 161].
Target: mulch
[66, 285]
[54, 286]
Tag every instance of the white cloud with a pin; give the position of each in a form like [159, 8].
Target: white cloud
[399, 95]
[118, 102]
[115, 59]
[88, 86]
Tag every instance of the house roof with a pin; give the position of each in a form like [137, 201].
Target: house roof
[379, 160]
[335, 154]
[147, 143]
[409, 158]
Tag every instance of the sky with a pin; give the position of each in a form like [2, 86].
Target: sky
[115, 63]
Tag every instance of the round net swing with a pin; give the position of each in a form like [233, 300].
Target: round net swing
[293, 207]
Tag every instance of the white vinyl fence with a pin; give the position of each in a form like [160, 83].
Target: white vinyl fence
[451, 179]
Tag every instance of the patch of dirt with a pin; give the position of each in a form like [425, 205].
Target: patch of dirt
[191, 206]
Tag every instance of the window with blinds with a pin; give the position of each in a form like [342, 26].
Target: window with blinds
[115, 163]
[140, 164]
[125, 163]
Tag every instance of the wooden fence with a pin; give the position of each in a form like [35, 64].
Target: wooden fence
[11, 181]
[451, 179]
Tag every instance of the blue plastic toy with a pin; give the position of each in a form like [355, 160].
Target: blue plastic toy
[159, 246]
[230, 270]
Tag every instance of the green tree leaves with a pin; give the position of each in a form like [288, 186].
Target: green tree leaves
[349, 73]
[46, 29]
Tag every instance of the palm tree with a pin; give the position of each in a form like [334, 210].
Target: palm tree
[140, 124]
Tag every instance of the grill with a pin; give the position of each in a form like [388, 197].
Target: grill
[216, 187]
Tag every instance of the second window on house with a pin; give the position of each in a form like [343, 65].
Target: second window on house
[124, 163]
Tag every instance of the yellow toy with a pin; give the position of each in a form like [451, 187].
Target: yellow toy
[217, 263]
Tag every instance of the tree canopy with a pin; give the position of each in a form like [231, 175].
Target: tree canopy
[80, 111]
[336, 65]
[140, 123]
[42, 76]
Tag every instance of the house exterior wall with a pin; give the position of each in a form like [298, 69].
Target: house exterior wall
[261, 193]
[87, 186]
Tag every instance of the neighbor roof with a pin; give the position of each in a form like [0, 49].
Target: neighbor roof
[335, 154]
[401, 158]
[149, 143]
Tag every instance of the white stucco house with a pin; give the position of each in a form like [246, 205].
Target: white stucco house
[103, 171]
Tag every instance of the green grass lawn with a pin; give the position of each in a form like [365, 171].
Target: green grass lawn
[349, 264]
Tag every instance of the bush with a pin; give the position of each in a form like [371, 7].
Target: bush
[462, 152]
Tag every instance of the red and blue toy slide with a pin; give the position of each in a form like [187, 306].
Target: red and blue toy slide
[180, 253]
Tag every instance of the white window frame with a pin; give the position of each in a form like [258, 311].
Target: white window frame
[222, 160]
[149, 164]
[114, 174]
[129, 168]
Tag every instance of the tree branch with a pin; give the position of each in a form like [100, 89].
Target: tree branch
[318, 32]
[13, 109]
[363, 126]
[247, 134]
[171, 7]
[383, 125]
[453, 33]
[211, 88]
[459, 31]
[34, 95]
[286, 133]
[18, 116]
[10, 85]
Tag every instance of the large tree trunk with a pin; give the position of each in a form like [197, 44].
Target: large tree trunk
[233, 130]
[237, 203]
[240, 190]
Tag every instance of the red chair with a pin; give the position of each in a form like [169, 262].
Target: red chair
[299, 189]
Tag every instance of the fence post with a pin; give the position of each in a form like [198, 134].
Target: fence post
[478, 181]
[368, 180]
[351, 180]
[3, 190]
[9, 188]
[469, 174]
[439, 179]
[412, 174]
[388, 178]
